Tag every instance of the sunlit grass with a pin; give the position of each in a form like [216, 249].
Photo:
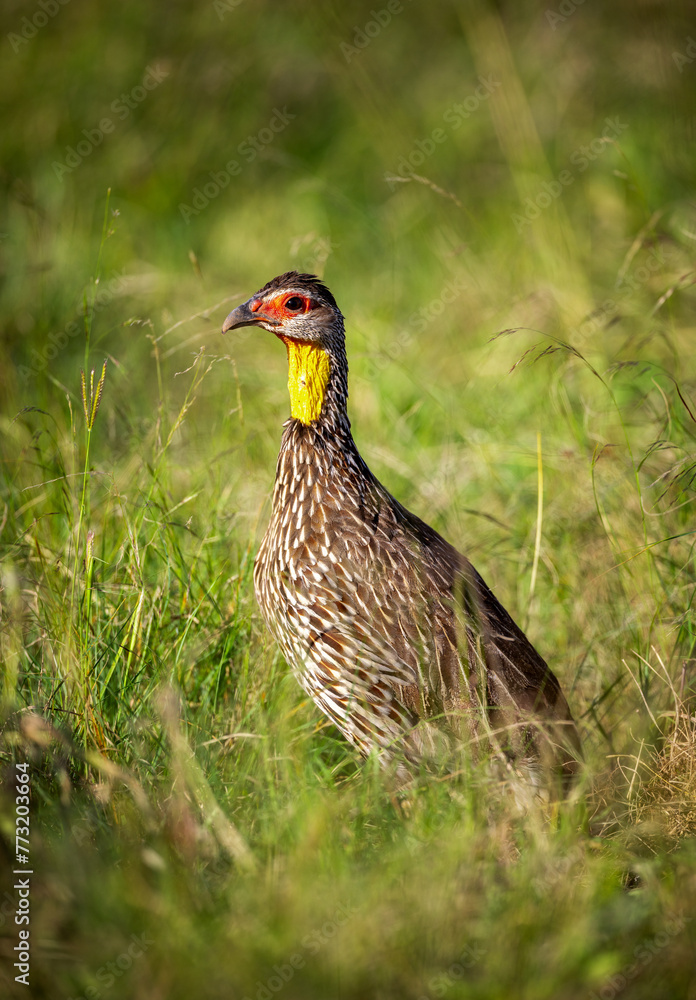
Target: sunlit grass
[528, 391]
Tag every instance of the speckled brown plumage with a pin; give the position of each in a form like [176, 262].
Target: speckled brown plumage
[388, 628]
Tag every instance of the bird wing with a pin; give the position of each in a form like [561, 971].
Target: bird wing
[441, 619]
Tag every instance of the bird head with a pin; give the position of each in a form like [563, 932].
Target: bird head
[301, 311]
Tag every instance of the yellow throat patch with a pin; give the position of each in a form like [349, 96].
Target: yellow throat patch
[308, 375]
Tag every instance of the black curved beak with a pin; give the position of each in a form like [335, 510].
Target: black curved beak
[243, 316]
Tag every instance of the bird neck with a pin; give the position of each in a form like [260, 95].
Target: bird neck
[308, 377]
[317, 381]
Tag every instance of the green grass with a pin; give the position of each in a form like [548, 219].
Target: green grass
[529, 389]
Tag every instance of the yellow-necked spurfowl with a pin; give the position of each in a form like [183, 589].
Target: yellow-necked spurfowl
[388, 628]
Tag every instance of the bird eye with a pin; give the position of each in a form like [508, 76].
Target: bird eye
[294, 303]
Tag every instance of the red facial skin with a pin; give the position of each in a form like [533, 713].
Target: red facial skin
[275, 308]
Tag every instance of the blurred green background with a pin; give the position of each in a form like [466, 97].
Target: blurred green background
[501, 197]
